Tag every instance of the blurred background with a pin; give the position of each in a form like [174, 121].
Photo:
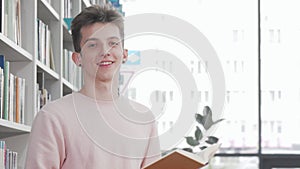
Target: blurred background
[257, 43]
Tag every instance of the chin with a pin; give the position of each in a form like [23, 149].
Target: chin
[105, 78]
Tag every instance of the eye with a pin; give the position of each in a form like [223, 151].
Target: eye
[113, 43]
[91, 45]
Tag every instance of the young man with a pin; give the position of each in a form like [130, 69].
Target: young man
[96, 127]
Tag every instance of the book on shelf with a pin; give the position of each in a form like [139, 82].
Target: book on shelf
[38, 93]
[11, 20]
[51, 57]
[22, 82]
[68, 13]
[5, 91]
[65, 64]
[67, 8]
[2, 152]
[18, 99]
[12, 94]
[1, 91]
[43, 96]
[8, 158]
[71, 72]
[41, 40]
[18, 23]
[44, 47]
[38, 48]
[41, 79]
[1, 15]
[2, 63]
[11, 97]
[181, 159]
[47, 46]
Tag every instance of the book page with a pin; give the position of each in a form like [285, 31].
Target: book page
[181, 158]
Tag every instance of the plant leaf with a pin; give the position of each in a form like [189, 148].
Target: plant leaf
[191, 141]
[198, 134]
[200, 119]
[212, 140]
[207, 113]
[206, 119]
[218, 121]
[188, 150]
[203, 147]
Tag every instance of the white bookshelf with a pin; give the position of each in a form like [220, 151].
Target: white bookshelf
[68, 87]
[46, 12]
[85, 3]
[49, 73]
[24, 63]
[9, 128]
[13, 51]
[67, 34]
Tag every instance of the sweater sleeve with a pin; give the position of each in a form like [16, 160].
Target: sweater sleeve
[153, 150]
[46, 146]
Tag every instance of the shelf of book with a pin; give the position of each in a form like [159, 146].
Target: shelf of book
[46, 12]
[10, 128]
[12, 51]
[49, 73]
[68, 87]
[40, 46]
[66, 33]
[68, 84]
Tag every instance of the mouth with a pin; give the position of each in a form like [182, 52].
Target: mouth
[105, 63]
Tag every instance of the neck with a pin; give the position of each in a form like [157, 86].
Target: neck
[101, 90]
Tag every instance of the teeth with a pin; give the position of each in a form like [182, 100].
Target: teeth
[105, 63]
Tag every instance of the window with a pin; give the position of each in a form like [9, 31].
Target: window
[257, 43]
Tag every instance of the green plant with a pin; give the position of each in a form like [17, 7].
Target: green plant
[206, 122]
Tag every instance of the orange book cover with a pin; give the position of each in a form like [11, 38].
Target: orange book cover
[181, 159]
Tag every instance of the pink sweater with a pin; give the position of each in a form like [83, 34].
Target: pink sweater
[77, 132]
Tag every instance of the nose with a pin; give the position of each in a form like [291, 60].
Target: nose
[105, 50]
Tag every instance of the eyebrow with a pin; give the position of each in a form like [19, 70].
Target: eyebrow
[114, 37]
[90, 39]
[97, 39]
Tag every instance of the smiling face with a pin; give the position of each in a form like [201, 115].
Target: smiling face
[102, 52]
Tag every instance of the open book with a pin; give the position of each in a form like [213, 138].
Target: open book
[181, 159]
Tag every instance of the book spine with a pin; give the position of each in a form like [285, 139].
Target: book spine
[22, 107]
[42, 40]
[1, 92]
[18, 22]
[11, 97]
[7, 158]
[38, 39]
[2, 150]
[38, 94]
[52, 62]
[1, 15]
[17, 100]
[5, 17]
[11, 19]
[6, 91]
[46, 47]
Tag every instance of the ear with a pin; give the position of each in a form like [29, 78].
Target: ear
[125, 55]
[76, 58]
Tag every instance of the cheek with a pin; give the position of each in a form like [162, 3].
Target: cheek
[118, 53]
[88, 60]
